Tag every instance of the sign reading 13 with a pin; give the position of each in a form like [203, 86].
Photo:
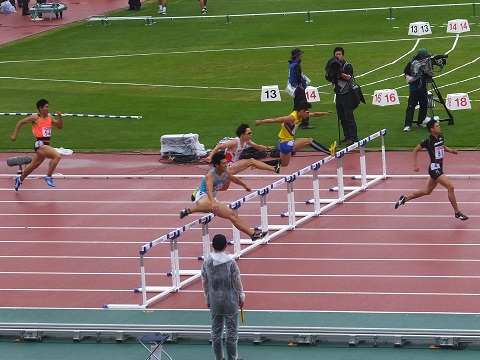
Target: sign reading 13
[270, 93]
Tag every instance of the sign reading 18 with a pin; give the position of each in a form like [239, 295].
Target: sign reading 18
[415, 28]
[460, 102]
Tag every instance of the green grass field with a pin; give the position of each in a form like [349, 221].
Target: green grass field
[204, 75]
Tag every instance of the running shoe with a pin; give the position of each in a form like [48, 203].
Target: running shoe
[461, 216]
[184, 213]
[333, 149]
[407, 128]
[17, 183]
[401, 201]
[278, 166]
[194, 195]
[204, 11]
[49, 181]
[257, 235]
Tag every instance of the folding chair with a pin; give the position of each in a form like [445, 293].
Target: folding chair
[155, 350]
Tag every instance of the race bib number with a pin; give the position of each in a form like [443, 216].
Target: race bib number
[47, 131]
[439, 152]
[38, 143]
[434, 166]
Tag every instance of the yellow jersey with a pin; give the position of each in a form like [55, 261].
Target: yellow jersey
[287, 131]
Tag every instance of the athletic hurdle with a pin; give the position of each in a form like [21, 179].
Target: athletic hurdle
[76, 115]
[263, 193]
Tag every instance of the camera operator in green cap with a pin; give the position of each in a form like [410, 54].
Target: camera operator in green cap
[417, 84]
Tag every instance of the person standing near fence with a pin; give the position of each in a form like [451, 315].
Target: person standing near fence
[436, 150]
[162, 7]
[298, 81]
[289, 125]
[206, 197]
[203, 6]
[42, 130]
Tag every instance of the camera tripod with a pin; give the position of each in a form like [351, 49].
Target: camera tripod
[439, 100]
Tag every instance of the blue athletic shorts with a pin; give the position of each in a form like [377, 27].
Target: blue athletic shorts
[286, 147]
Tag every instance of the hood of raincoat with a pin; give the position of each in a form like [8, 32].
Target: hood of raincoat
[220, 258]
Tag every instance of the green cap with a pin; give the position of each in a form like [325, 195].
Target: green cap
[423, 52]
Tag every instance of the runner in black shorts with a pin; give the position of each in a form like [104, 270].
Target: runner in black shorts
[436, 149]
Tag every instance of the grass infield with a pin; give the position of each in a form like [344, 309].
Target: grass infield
[204, 75]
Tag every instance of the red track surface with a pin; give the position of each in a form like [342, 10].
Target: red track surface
[76, 246]
[15, 26]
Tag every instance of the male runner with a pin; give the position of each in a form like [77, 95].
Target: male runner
[206, 200]
[42, 130]
[436, 149]
[290, 123]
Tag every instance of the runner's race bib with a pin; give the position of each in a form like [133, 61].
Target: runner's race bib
[434, 166]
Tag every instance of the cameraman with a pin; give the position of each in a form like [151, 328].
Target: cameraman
[340, 73]
[417, 80]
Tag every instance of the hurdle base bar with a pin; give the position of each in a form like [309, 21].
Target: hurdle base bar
[271, 228]
[349, 188]
[322, 201]
[298, 213]
[368, 177]
[185, 272]
[153, 289]
[124, 306]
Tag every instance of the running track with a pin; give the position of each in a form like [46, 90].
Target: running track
[76, 246]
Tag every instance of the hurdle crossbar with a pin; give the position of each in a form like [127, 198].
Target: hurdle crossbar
[76, 115]
[262, 194]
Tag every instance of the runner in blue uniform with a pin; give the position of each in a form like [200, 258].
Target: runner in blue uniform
[206, 200]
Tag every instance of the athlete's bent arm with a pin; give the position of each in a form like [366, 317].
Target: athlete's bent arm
[415, 156]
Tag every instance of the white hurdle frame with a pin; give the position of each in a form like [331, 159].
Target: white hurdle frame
[293, 222]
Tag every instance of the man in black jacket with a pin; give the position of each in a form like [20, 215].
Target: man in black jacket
[346, 100]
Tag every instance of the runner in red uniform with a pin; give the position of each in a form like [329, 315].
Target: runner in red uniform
[42, 130]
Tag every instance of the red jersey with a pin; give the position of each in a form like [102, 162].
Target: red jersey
[43, 130]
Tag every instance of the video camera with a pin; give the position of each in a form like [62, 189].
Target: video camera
[427, 65]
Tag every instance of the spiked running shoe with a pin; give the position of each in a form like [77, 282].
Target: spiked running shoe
[49, 181]
[17, 183]
[401, 201]
[278, 166]
[461, 216]
[184, 213]
[257, 235]
[333, 149]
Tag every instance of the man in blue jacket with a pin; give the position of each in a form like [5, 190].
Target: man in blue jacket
[298, 81]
